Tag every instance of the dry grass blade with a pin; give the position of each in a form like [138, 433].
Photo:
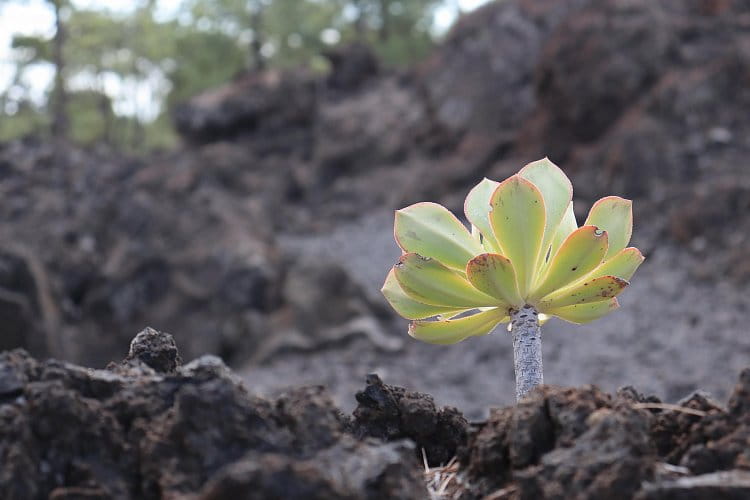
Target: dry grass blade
[439, 479]
[666, 406]
[673, 469]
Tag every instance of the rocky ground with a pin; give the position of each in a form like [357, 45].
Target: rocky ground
[264, 239]
[150, 427]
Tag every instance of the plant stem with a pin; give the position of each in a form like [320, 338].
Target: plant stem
[527, 349]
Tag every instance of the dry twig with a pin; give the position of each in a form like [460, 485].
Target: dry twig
[666, 406]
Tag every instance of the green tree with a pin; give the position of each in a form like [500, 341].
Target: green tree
[242, 19]
[292, 32]
[400, 31]
[132, 49]
[201, 60]
[95, 52]
[59, 98]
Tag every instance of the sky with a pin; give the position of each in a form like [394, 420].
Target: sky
[34, 17]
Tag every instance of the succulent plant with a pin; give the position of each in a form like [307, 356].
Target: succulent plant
[524, 260]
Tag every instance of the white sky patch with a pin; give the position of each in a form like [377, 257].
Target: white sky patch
[446, 14]
[32, 18]
[330, 36]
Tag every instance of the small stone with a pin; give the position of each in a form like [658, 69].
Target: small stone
[155, 349]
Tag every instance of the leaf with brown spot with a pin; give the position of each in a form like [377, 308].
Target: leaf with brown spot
[494, 275]
[430, 282]
[580, 253]
[595, 290]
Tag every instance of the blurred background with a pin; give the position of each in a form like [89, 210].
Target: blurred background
[227, 171]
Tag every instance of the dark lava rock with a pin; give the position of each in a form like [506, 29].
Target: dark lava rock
[311, 416]
[127, 242]
[137, 432]
[14, 368]
[392, 413]
[155, 429]
[156, 349]
[609, 460]
[27, 311]
[739, 401]
[675, 433]
[580, 443]
[622, 75]
[721, 440]
[255, 102]
[349, 470]
[352, 65]
[516, 438]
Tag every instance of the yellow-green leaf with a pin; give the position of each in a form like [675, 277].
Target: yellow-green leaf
[406, 306]
[593, 290]
[477, 210]
[430, 282]
[623, 264]
[451, 331]
[581, 252]
[614, 215]
[567, 225]
[585, 313]
[556, 190]
[493, 274]
[431, 230]
[518, 221]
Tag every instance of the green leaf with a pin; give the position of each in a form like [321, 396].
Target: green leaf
[432, 231]
[408, 307]
[518, 218]
[477, 210]
[493, 274]
[580, 253]
[594, 290]
[567, 225]
[614, 215]
[556, 190]
[623, 264]
[451, 331]
[430, 282]
[585, 313]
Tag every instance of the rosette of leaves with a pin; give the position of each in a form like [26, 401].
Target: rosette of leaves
[523, 260]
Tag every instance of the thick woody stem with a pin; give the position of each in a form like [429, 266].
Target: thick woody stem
[527, 349]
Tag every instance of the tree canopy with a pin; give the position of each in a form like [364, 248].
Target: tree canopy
[117, 74]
